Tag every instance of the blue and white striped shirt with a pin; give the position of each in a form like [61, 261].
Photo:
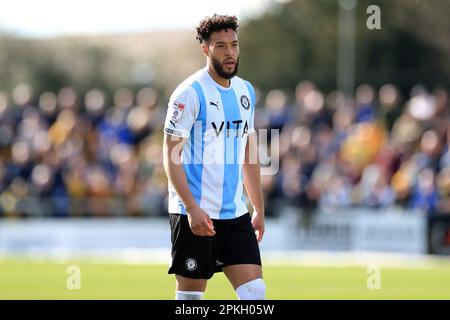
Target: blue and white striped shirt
[216, 121]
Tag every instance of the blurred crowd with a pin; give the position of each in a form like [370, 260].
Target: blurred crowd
[62, 154]
[66, 155]
[375, 150]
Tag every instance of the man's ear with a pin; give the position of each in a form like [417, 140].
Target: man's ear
[205, 48]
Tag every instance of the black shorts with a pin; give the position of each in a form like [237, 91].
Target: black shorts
[199, 257]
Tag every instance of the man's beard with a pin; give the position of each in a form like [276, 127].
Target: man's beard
[219, 70]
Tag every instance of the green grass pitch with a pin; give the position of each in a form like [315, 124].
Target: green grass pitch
[25, 279]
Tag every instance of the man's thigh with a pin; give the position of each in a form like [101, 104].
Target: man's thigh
[240, 247]
[193, 257]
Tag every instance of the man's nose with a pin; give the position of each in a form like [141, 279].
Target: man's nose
[229, 51]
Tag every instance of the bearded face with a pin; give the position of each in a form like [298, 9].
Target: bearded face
[222, 50]
[226, 69]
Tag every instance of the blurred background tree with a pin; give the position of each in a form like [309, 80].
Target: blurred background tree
[279, 49]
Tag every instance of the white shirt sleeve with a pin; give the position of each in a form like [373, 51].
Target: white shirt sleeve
[182, 111]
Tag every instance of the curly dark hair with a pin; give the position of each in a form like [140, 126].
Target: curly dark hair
[215, 23]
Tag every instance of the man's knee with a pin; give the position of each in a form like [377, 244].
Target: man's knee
[189, 289]
[252, 290]
[188, 284]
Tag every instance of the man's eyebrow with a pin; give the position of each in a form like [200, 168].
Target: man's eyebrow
[223, 42]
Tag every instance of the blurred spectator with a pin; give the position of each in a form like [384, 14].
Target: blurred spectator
[276, 108]
[363, 143]
[443, 185]
[390, 108]
[374, 189]
[425, 196]
[95, 105]
[48, 106]
[365, 108]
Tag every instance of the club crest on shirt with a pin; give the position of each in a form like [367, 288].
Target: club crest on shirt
[178, 109]
[245, 102]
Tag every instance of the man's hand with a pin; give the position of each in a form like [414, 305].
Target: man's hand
[200, 222]
[258, 225]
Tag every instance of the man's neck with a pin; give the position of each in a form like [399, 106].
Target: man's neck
[221, 81]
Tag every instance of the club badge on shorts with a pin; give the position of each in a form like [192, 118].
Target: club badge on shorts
[245, 102]
[191, 264]
[178, 109]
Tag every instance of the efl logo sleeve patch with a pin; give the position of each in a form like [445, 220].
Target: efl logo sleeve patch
[177, 120]
[177, 111]
[182, 112]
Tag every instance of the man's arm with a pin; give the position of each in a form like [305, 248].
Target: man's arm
[199, 221]
[252, 183]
